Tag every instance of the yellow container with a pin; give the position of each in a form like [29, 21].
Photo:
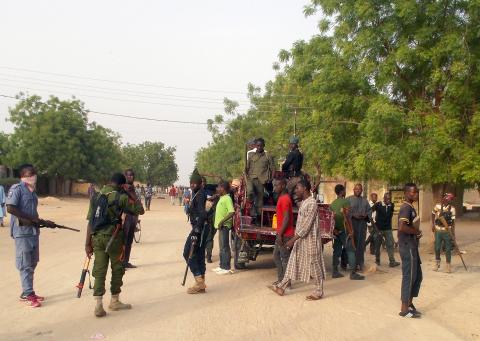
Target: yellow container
[274, 222]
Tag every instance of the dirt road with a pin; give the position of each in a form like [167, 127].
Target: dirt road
[236, 307]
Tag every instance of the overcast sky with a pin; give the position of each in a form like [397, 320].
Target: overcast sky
[188, 56]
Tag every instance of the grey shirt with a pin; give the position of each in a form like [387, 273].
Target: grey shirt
[360, 206]
[27, 202]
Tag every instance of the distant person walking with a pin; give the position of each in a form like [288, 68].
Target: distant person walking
[3, 212]
[91, 191]
[180, 195]
[148, 196]
[383, 221]
[172, 193]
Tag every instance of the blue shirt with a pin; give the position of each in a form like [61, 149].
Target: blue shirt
[27, 202]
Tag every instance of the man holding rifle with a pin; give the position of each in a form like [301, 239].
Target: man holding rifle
[194, 250]
[22, 202]
[343, 233]
[105, 239]
[443, 232]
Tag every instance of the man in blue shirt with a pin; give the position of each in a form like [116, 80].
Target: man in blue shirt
[22, 202]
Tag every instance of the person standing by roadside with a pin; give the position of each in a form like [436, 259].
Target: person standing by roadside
[360, 213]
[194, 249]
[408, 237]
[131, 220]
[22, 203]
[224, 212]
[285, 229]
[384, 213]
[98, 237]
[172, 193]
[91, 190]
[343, 236]
[148, 196]
[443, 234]
[3, 200]
[180, 195]
[306, 258]
[372, 228]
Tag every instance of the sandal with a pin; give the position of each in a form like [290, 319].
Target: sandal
[410, 314]
[313, 297]
[412, 307]
[277, 290]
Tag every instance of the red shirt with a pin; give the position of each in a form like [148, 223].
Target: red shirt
[284, 203]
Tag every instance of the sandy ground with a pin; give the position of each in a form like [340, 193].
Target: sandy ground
[236, 307]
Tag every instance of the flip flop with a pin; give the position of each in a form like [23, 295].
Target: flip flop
[277, 290]
[410, 314]
[412, 307]
[313, 297]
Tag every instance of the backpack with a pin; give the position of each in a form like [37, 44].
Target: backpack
[100, 217]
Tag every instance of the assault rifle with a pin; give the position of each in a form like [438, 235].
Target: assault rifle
[52, 225]
[452, 237]
[190, 254]
[85, 271]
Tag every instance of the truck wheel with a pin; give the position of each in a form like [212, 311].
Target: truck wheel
[236, 243]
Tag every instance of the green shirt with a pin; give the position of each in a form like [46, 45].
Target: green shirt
[224, 207]
[123, 205]
[337, 207]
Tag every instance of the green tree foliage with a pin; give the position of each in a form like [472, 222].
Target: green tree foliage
[152, 162]
[56, 137]
[387, 90]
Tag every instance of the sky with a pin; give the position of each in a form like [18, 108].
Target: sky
[172, 60]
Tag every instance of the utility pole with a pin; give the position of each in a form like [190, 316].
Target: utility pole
[295, 123]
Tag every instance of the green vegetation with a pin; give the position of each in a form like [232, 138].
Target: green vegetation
[387, 90]
[56, 137]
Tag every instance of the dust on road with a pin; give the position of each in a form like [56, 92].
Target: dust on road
[236, 307]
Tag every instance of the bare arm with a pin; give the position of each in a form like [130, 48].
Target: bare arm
[25, 218]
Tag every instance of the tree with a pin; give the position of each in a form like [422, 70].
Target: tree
[55, 136]
[152, 162]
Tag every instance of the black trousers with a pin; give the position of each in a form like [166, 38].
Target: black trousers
[129, 231]
[359, 234]
[411, 269]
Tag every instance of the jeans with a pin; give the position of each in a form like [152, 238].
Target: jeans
[389, 243]
[443, 237]
[148, 201]
[359, 234]
[27, 257]
[197, 262]
[339, 243]
[212, 231]
[281, 255]
[224, 245]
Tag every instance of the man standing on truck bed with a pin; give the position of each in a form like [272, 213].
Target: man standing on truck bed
[259, 172]
[292, 167]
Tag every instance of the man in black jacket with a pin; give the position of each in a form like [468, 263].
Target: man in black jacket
[384, 213]
[197, 236]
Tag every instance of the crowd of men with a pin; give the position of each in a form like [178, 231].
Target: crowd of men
[298, 254]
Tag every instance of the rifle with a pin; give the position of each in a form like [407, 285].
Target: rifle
[452, 237]
[112, 238]
[83, 276]
[62, 227]
[190, 254]
[348, 227]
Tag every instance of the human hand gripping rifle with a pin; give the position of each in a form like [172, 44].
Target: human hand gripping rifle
[83, 275]
[452, 237]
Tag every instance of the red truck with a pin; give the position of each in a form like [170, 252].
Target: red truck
[249, 239]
